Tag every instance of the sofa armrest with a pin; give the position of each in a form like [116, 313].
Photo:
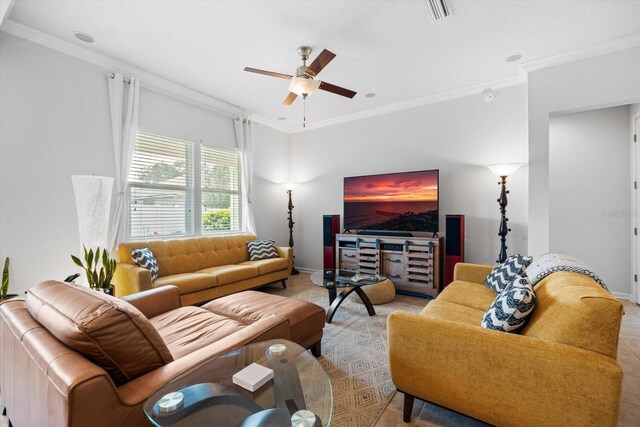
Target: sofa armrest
[502, 378]
[154, 302]
[130, 279]
[475, 273]
[287, 253]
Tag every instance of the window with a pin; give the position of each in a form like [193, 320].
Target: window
[220, 190]
[164, 188]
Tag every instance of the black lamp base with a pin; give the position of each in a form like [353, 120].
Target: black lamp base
[294, 271]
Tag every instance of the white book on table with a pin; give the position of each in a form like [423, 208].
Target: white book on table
[252, 377]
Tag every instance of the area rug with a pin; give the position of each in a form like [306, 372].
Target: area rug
[354, 352]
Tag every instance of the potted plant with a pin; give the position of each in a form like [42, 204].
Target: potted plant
[4, 288]
[99, 280]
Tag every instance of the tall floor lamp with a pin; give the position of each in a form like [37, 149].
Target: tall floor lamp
[503, 170]
[289, 187]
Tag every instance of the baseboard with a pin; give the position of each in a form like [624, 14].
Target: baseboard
[306, 270]
[622, 295]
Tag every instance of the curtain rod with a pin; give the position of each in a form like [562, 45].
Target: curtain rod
[124, 79]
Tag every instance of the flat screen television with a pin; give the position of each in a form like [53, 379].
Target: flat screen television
[406, 201]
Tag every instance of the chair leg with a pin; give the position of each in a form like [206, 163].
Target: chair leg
[316, 349]
[408, 407]
[284, 283]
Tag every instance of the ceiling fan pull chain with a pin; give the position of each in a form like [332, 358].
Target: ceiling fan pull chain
[304, 112]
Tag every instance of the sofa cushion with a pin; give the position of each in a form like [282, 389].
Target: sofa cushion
[187, 282]
[573, 309]
[144, 258]
[266, 266]
[189, 328]
[504, 273]
[305, 318]
[262, 249]
[225, 274]
[469, 294]
[511, 307]
[445, 310]
[108, 331]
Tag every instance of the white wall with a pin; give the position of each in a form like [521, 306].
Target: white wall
[458, 137]
[55, 122]
[270, 172]
[590, 197]
[54, 115]
[602, 81]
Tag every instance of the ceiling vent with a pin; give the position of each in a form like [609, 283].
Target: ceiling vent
[439, 9]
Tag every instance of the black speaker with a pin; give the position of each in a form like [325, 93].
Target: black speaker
[454, 245]
[330, 227]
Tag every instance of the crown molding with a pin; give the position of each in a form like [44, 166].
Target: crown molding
[269, 123]
[615, 45]
[147, 79]
[414, 103]
[5, 9]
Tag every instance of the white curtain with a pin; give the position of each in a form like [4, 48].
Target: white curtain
[124, 100]
[244, 140]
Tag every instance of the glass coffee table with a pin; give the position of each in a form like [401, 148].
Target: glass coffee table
[299, 391]
[351, 281]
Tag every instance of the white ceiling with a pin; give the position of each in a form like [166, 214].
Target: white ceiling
[391, 48]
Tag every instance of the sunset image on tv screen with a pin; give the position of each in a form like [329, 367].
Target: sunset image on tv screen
[405, 201]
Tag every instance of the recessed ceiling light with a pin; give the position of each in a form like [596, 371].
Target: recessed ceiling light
[369, 95]
[513, 58]
[84, 37]
[282, 118]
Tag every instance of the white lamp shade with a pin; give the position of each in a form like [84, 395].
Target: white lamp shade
[290, 185]
[93, 204]
[504, 169]
[303, 87]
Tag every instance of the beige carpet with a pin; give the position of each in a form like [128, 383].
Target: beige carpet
[354, 352]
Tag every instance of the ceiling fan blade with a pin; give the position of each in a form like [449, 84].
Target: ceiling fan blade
[289, 99]
[269, 73]
[320, 62]
[337, 90]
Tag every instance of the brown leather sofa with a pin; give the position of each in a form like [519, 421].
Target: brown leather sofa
[71, 356]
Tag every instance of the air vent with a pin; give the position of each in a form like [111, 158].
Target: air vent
[439, 9]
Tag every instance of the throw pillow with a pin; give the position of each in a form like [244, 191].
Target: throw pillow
[144, 258]
[504, 274]
[512, 306]
[262, 249]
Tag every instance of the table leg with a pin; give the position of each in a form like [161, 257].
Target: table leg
[332, 295]
[344, 294]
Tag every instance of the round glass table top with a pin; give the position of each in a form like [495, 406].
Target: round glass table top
[207, 394]
[344, 278]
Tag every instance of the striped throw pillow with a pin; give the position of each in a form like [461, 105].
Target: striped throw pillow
[144, 258]
[512, 306]
[262, 249]
[506, 272]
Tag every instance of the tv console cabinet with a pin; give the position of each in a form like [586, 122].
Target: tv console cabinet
[413, 264]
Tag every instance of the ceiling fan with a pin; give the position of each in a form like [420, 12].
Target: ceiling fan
[303, 84]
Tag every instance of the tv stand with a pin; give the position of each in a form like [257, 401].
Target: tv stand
[384, 233]
[413, 264]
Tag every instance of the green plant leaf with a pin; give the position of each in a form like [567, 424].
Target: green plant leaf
[90, 258]
[4, 289]
[77, 261]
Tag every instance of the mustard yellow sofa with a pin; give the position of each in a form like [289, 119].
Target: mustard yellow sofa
[203, 268]
[560, 370]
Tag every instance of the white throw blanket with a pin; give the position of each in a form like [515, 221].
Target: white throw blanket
[546, 264]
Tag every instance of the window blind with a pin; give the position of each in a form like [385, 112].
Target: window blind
[220, 190]
[161, 187]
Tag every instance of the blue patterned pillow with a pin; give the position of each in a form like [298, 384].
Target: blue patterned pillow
[262, 249]
[512, 306]
[144, 258]
[506, 272]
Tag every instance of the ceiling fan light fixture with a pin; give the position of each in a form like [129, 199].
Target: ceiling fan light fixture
[302, 86]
